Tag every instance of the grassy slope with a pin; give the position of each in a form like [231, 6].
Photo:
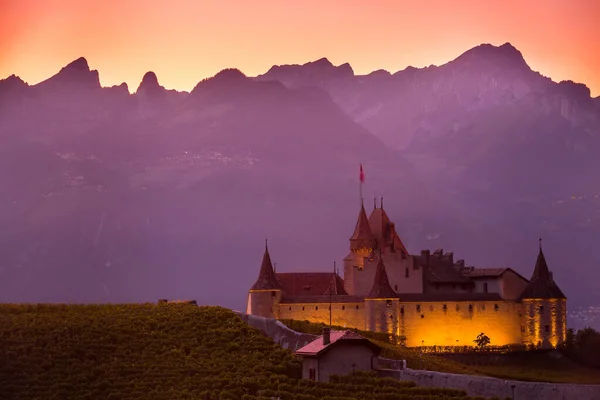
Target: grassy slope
[534, 366]
[161, 352]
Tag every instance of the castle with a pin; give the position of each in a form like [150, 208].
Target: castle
[428, 299]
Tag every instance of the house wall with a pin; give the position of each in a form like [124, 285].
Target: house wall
[347, 315]
[309, 363]
[457, 326]
[535, 322]
[494, 285]
[343, 359]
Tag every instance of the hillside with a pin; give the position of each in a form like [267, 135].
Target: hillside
[158, 352]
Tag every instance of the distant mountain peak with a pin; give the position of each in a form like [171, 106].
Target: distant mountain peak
[504, 55]
[321, 62]
[149, 83]
[150, 79]
[230, 73]
[80, 64]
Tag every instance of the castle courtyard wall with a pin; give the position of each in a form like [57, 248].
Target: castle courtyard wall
[347, 315]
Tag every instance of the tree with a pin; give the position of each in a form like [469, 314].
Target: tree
[482, 340]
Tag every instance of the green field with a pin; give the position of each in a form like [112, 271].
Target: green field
[524, 366]
[156, 352]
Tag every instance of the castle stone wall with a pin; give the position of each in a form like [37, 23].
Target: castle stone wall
[457, 325]
[512, 285]
[347, 315]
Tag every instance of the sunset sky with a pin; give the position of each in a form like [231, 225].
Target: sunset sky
[184, 41]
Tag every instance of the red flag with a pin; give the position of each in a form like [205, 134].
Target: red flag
[362, 174]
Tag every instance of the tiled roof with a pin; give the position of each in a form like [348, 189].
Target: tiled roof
[317, 347]
[321, 299]
[381, 285]
[489, 272]
[384, 231]
[310, 283]
[435, 297]
[266, 277]
[542, 285]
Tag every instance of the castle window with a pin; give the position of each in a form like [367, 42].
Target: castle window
[541, 309]
[273, 294]
[316, 308]
[547, 328]
[302, 308]
[402, 310]
[485, 288]
[445, 307]
[418, 308]
[359, 267]
[388, 303]
[357, 306]
[391, 316]
[406, 272]
[483, 307]
[457, 307]
[496, 307]
[290, 308]
[343, 307]
[522, 328]
[470, 307]
[422, 316]
[395, 288]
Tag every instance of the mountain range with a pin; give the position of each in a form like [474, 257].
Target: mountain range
[110, 196]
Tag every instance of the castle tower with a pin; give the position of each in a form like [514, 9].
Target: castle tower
[265, 295]
[544, 308]
[362, 245]
[382, 304]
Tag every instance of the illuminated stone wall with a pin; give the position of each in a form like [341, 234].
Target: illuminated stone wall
[347, 315]
[382, 315]
[544, 322]
[457, 325]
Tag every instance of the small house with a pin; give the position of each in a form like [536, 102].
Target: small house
[337, 353]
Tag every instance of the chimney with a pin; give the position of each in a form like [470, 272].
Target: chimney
[425, 257]
[326, 336]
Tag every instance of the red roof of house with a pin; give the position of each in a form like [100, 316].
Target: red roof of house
[317, 347]
[310, 283]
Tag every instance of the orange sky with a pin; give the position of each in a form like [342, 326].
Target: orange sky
[184, 41]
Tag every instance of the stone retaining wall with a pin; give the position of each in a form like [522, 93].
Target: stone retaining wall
[490, 387]
[281, 334]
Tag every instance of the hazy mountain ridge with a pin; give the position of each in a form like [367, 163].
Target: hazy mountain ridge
[162, 193]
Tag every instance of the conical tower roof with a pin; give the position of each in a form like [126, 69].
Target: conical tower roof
[381, 285]
[267, 280]
[542, 285]
[362, 230]
[363, 239]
